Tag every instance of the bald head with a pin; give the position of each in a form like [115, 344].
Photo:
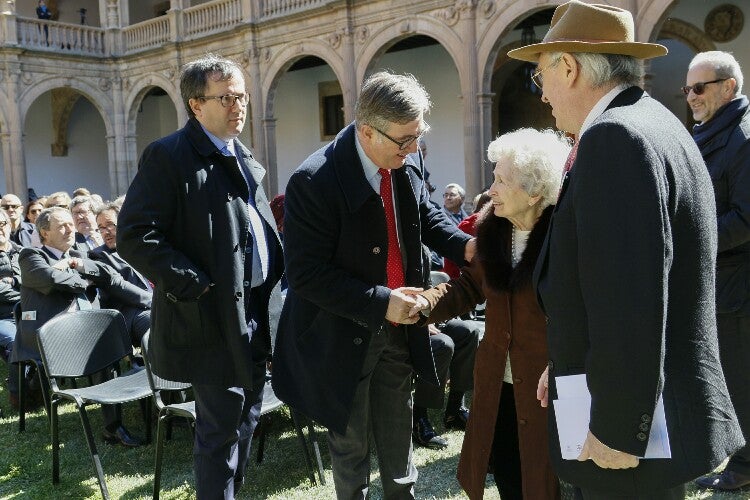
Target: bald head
[11, 205]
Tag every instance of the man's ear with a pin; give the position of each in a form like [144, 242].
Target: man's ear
[195, 106]
[570, 65]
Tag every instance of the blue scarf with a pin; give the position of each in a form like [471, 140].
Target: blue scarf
[724, 117]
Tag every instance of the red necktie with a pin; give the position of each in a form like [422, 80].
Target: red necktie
[571, 158]
[394, 266]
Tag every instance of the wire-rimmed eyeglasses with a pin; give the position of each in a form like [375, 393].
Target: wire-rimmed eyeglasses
[402, 145]
[536, 76]
[228, 100]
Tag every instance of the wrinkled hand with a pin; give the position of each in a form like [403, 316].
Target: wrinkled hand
[421, 306]
[542, 392]
[470, 250]
[604, 456]
[433, 330]
[400, 303]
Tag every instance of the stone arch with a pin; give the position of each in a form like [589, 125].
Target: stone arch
[649, 19]
[95, 95]
[687, 33]
[384, 38]
[138, 91]
[287, 57]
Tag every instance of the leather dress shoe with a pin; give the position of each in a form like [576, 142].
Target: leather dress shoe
[726, 481]
[424, 435]
[121, 436]
[456, 420]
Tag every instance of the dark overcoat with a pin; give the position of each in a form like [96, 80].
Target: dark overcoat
[336, 246]
[515, 325]
[184, 226]
[626, 278]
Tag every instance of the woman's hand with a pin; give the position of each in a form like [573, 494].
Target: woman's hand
[541, 388]
[420, 306]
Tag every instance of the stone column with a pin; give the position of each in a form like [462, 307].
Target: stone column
[256, 106]
[13, 144]
[350, 85]
[484, 102]
[271, 182]
[467, 29]
[122, 165]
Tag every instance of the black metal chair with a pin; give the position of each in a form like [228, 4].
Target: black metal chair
[81, 344]
[167, 411]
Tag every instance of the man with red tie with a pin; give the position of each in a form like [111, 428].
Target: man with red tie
[356, 214]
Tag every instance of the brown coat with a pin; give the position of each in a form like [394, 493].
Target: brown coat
[515, 323]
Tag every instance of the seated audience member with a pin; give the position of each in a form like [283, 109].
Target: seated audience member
[87, 236]
[10, 284]
[33, 209]
[453, 203]
[468, 226]
[56, 278]
[453, 348]
[81, 191]
[21, 232]
[58, 199]
[137, 316]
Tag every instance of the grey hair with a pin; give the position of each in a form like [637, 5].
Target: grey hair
[389, 98]
[195, 74]
[44, 218]
[80, 200]
[4, 215]
[724, 65]
[536, 160]
[461, 191]
[602, 69]
[113, 206]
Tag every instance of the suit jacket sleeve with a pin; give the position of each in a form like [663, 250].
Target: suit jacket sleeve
[311, 233]
[734, 225]
[624, 255]
[456, 297]
[38, 274]
[112, 284]
[144, 223]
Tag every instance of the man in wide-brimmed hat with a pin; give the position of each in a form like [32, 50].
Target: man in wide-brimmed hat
[626, 276]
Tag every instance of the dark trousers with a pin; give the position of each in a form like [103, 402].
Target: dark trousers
[734, 351]
[506, 456]
[382, 408]
[454, 351]
[676, 493]
[225, 420]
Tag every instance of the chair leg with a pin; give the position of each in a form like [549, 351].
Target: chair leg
[146, 411]
[316, 449]
[22, 390]
[94, 452]
[303, 443]
[54, 430]
[44, 388]
[160, 435]
[262, 429]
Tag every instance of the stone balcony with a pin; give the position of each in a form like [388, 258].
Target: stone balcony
[177, 25]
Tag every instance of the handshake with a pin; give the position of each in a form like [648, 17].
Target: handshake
[405, 304]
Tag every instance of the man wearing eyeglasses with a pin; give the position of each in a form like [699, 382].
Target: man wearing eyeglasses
[356, 214]
[714, 93]
[197, 224]
[21, 232]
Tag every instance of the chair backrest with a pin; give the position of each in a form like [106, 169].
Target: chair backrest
[156, 382]
[80, 343]
[270, 401]
[437, 277]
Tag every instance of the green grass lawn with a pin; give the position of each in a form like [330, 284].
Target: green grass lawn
[26, 464]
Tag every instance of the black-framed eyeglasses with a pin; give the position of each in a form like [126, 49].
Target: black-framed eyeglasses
[10, 206]
[402, 145]
[109, 228]
[700, 87]
[228, 100]
[536, 76]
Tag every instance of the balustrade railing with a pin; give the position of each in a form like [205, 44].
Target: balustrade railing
[211, 17]
[60, 37]
[147, 34]
[278, 8]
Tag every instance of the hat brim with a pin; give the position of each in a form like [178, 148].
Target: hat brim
[635, 49]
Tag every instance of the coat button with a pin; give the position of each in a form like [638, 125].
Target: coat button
[641, 436]
[551, 365]
[517, 380]
[507, 335]
[644, 427]
[546, 320]
[522, 421]
[357, 341]
[238, 295]
[376, 250]
[646, 418]
[229, 196]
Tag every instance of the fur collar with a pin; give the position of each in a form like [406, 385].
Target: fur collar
[493, 250]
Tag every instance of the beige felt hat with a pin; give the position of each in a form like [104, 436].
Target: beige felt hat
[581, 27]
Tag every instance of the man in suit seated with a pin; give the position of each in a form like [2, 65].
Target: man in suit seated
[56, 279]
[86, 236]
[137, 316]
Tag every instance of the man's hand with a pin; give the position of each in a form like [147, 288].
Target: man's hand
[62, 264]
[542, 392]
[433, 330]
[400, 303]
[604, 456]
[421, 306]
[470, 250]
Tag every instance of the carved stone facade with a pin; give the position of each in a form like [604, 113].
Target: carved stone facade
[115, 66]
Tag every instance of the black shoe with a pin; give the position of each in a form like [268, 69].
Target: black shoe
[726, 481]
[456, 420]
[121, 436]
[424, 435]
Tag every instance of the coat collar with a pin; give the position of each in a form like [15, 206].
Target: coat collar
[494, 249]
[348, 168]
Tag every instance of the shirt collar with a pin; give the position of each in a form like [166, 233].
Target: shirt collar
[601, 106]
[54, 251]
[368, 166]
[219, 143]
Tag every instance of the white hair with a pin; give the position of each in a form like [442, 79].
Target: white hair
[724, 65]
[536, 159]
[461, 191]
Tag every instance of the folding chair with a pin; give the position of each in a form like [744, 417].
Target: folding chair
[166, 411]
[23, 389]
[80, 344]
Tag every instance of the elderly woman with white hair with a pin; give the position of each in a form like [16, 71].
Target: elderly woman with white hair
[507, 428]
